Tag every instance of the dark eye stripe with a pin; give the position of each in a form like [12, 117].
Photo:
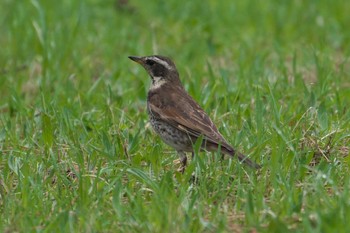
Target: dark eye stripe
[150, 62]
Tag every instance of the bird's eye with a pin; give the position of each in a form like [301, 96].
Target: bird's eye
[150, 62]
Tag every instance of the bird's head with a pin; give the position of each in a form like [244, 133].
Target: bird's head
[161, 69]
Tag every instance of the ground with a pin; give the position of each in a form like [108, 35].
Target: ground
[77, 153]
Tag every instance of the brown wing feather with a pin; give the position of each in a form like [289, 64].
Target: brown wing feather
[182, 112]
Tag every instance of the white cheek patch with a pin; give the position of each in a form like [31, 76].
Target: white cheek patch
[157, 82]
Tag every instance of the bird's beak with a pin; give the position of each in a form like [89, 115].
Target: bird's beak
[136, 59]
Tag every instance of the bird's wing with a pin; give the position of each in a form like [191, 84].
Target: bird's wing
[182, 112]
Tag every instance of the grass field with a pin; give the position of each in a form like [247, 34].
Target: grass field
[77, 153]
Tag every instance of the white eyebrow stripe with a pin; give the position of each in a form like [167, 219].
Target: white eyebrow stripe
[160, 61]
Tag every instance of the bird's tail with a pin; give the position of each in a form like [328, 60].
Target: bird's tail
[241, 157]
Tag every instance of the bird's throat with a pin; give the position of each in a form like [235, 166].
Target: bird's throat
[157, 82]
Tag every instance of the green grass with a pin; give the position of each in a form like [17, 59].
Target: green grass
[77, 153]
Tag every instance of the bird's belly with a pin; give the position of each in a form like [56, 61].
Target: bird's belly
[175, 138]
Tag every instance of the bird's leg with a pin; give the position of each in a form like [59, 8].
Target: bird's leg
[222, 161]
[183, 160]
[222, 157]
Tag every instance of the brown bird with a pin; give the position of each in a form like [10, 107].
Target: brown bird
[176, 117]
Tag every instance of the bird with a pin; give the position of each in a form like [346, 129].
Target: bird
[176, 117]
